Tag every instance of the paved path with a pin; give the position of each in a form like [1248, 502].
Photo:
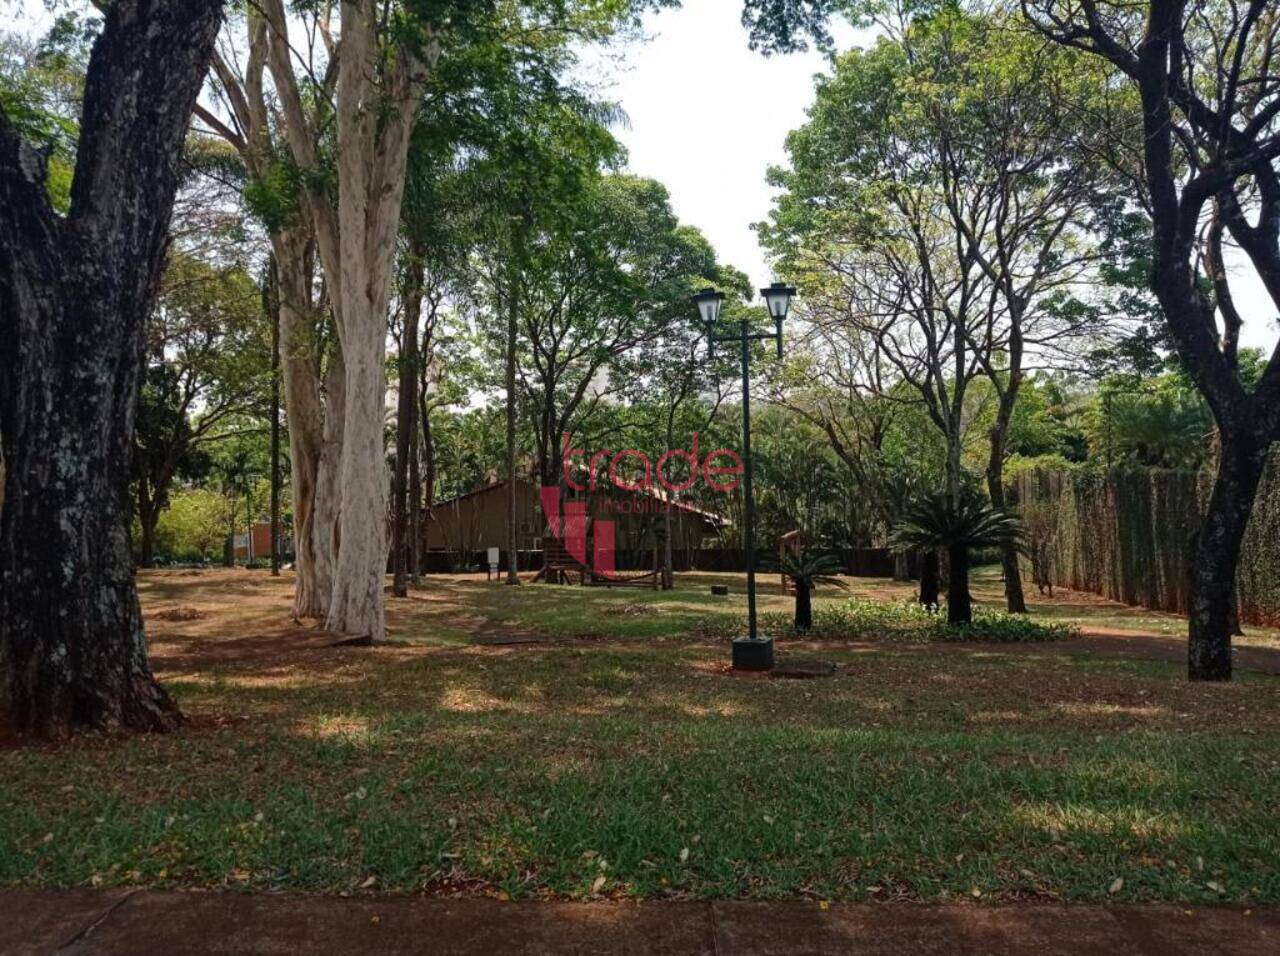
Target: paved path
[123, 921]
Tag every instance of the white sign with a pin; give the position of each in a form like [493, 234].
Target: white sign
[493, 557]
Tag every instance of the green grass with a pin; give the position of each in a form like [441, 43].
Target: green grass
[642, 614]
[918, 772]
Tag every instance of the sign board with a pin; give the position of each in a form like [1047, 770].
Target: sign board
[493, 558]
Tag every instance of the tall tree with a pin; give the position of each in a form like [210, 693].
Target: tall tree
[1206, 73]
[205, 346]
[75, 291]
[618, 280]
[544, 148]
[997, 110]
[862, 208]
[312, 388]
[381, 64]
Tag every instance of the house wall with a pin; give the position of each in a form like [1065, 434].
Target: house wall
[478, 521]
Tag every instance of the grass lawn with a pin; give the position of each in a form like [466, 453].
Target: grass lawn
[623, 761]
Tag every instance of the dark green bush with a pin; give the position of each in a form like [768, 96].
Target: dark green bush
[860, 620]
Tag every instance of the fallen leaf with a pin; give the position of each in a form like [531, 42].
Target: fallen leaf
[684, 854]
[1117, 885]
[598, 884]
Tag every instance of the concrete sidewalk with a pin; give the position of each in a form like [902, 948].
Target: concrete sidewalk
[140, 921]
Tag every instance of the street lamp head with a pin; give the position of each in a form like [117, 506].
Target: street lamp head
[709, 301]
[778, 298]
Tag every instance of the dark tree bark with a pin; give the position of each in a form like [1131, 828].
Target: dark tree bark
[959, 602]
[406, 422]
[804, 607]
[415, 508]
[1196, 151]
[1217, 554]
[929, 578]
[148, 519]
[428, 452]
[75, 292]
[1015, 599]
[513, 542]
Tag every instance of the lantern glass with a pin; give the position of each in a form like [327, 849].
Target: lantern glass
[709, 302]
[778, 298]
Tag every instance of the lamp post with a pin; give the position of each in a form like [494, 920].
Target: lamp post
[751, 652]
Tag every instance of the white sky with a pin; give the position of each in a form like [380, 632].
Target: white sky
[708, 116]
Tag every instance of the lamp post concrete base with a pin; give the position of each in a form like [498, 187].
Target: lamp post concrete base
[752, 655]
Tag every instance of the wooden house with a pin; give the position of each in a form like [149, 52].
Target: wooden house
[477, 520]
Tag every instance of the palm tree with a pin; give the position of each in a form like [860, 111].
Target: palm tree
[808, 571]
[935, 521]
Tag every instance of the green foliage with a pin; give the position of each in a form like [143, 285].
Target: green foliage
[207, 373]
[40, 89]
[935, 521]
[275, 195]
[192, 529]
[811, 569]
[862, 620]
[997, 626]
[1159, 421]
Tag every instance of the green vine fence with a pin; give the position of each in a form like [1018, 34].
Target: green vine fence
[1127, 534]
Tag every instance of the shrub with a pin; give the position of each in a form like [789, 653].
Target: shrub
[1001, 626]
[861, 620]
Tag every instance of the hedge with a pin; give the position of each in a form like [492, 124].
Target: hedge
[1127, 534]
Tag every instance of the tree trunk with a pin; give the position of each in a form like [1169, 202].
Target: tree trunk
[415, 506]
[1217, 555]
[668, 557]
[929, 578]
[356, 604]
[304, 413]
[327, 534]
[148, 518]
[901, 567]
[406, 424]
[147, 540]
[379, 85]
[1015, 600]
[804, 607]
[273, 303]
[959, 603]
[428, 461]
[75, 292]
[513, 542]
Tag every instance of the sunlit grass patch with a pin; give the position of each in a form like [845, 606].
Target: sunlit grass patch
[919, 771]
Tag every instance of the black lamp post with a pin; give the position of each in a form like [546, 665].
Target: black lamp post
[750, 652]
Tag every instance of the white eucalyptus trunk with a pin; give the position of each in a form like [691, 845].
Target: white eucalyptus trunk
[328, 505]
[304, 410]
[378, 94]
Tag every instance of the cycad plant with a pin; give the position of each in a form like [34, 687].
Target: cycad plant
[808, 570]
[935, 522]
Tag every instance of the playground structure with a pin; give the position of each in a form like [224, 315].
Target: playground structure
[791, 543]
